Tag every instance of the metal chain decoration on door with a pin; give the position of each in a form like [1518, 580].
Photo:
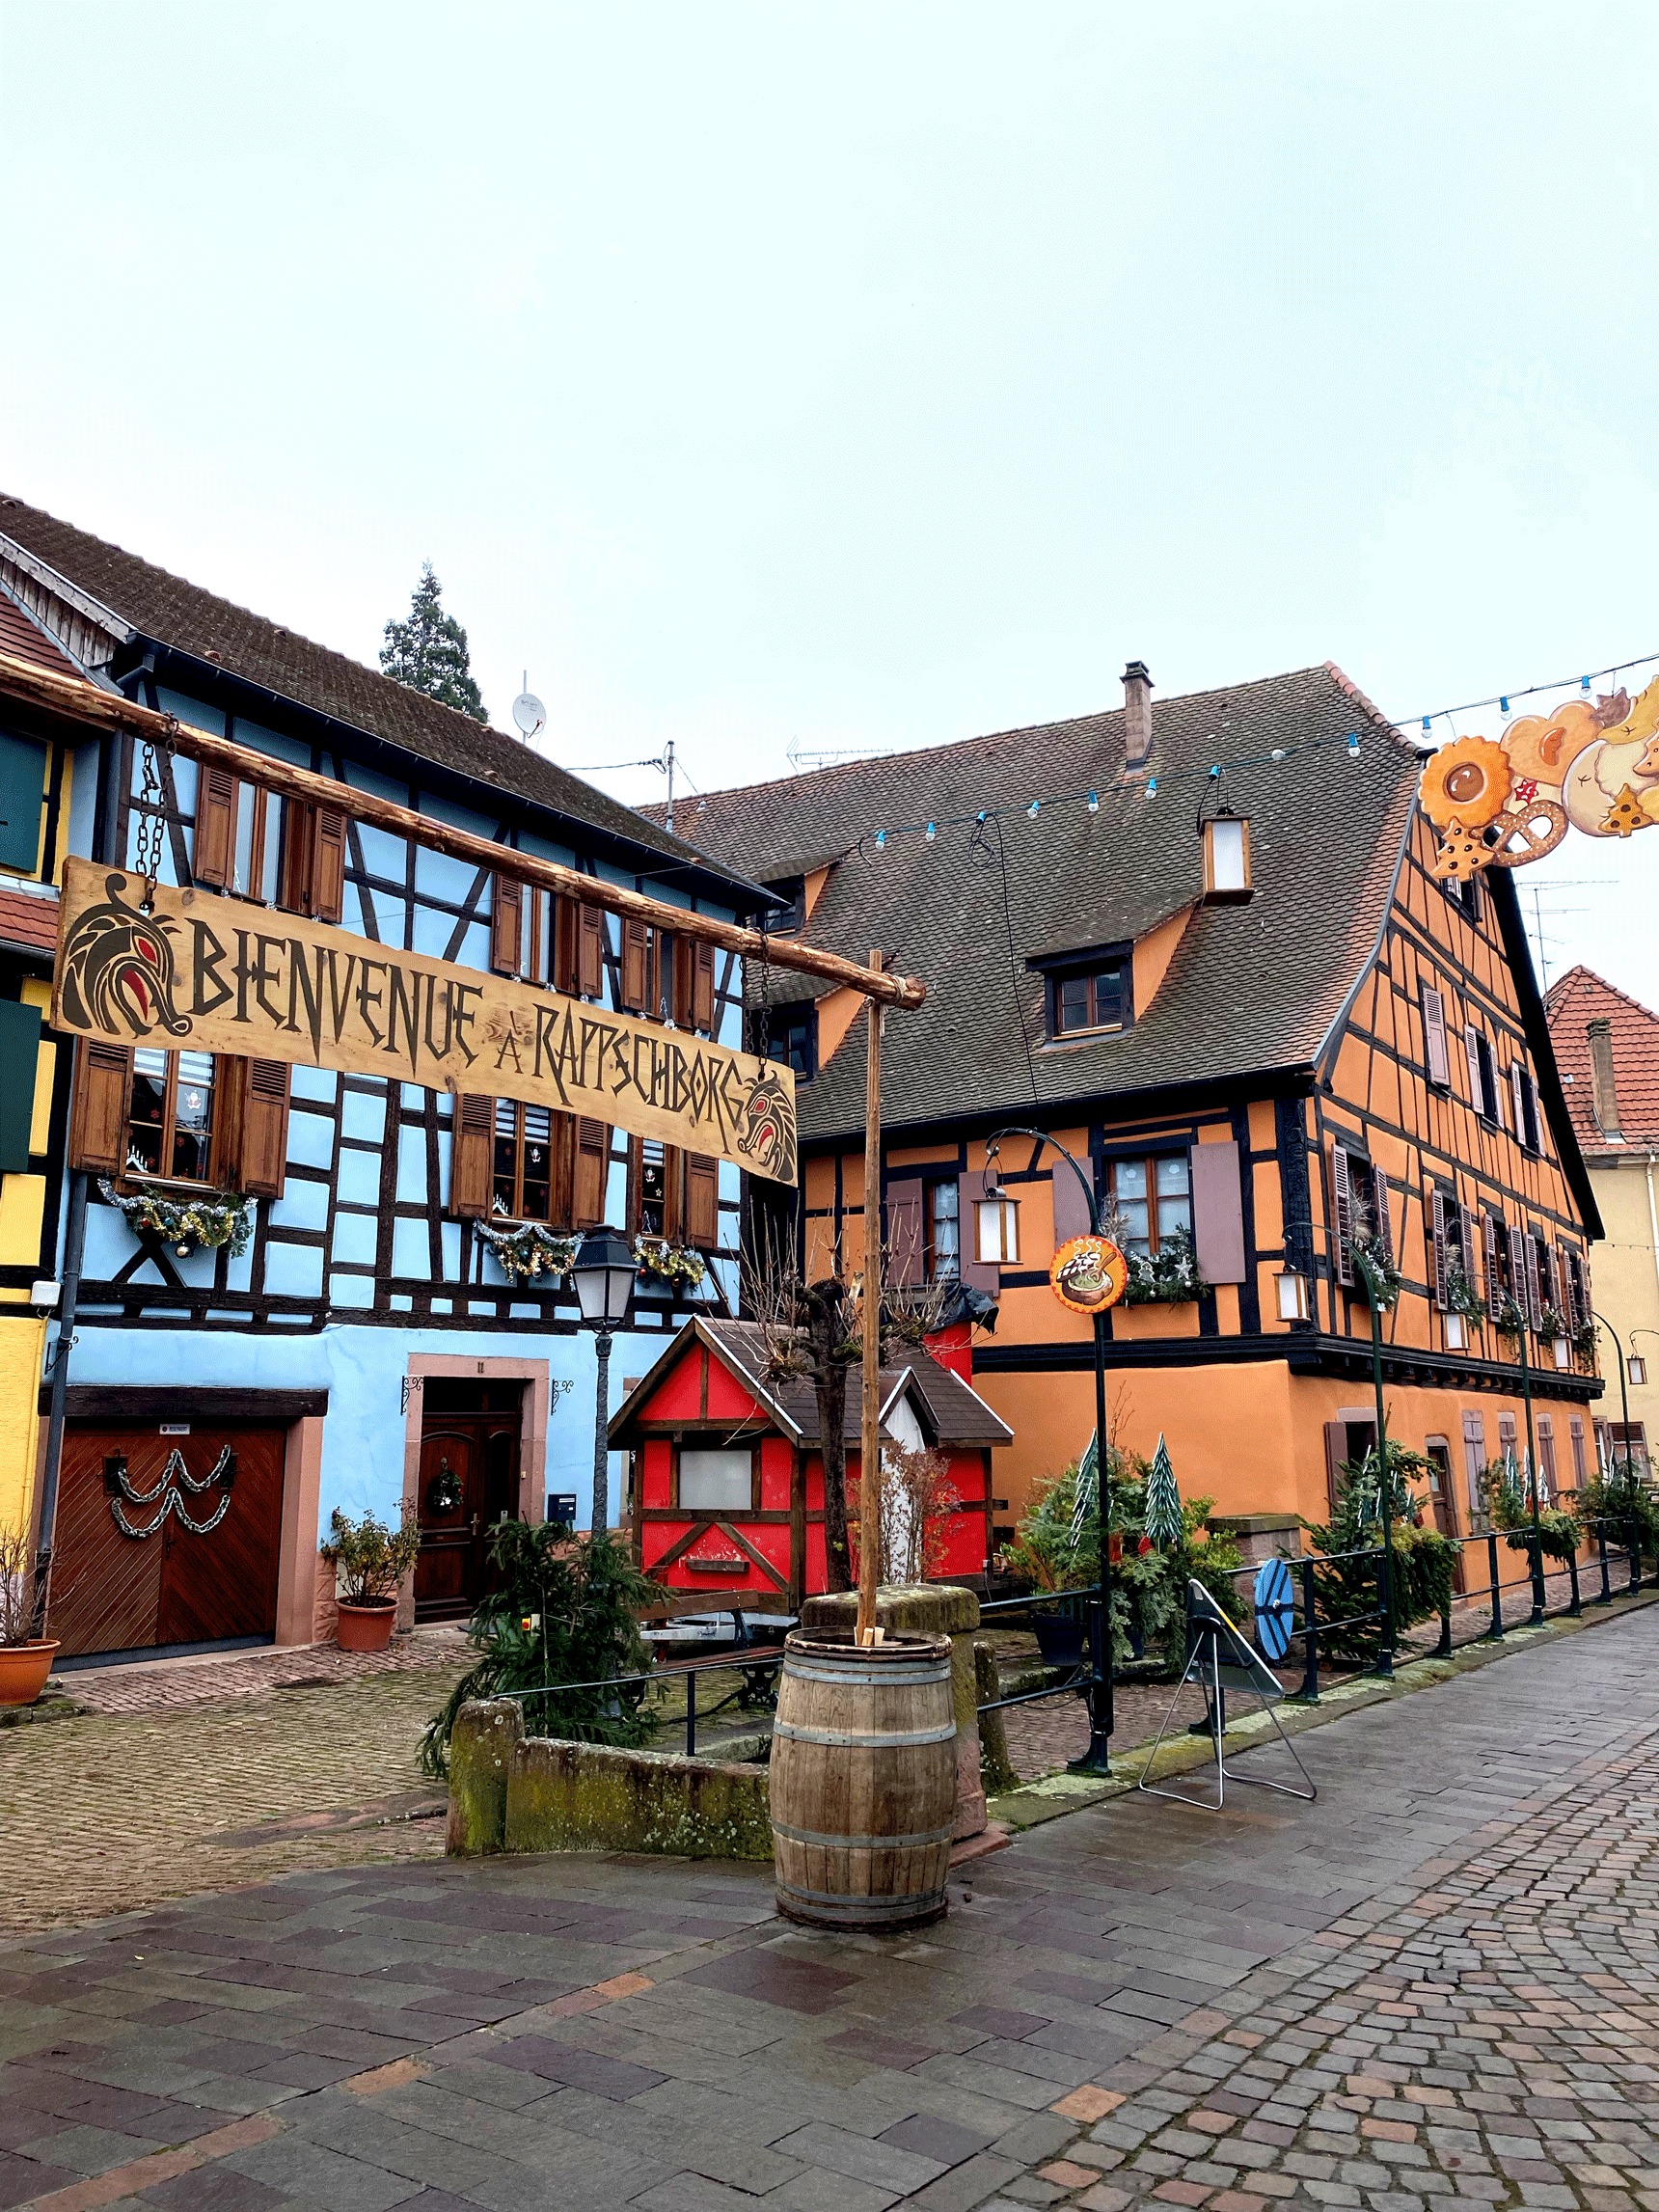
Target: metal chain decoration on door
[170, 1493]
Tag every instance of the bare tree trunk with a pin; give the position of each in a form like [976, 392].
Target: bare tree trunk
[825, 1305]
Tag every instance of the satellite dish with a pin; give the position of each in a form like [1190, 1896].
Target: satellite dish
[530, 716]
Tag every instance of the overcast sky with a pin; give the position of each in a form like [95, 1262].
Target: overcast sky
[849, 375]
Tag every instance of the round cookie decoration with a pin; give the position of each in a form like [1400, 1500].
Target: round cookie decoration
[1590, 766]
[1088, 1274]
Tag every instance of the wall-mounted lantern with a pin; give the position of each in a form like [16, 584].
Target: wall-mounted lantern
[1226, 858]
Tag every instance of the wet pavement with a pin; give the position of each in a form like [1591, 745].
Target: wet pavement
[1441, 1979]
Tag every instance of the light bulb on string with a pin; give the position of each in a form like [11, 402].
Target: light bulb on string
[1094, 801]
[1354, 744]
[1503, 705]
[1034, 808]
[881, 841]
[1584, 683]
[1151, 786]
[932, 832]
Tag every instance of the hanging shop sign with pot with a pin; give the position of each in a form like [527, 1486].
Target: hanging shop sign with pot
[200, 973]
[1088, 1274]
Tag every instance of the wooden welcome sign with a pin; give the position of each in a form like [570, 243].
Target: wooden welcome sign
[210, 975]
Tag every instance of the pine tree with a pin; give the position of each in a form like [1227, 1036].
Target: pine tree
[429, 651]
[1163, 1522]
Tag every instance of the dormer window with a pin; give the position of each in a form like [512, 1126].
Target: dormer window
[1089, 992]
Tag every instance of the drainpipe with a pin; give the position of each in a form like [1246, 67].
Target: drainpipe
[1654, 1217]
[74, 1248]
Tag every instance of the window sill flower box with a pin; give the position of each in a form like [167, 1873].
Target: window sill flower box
[188, 1224]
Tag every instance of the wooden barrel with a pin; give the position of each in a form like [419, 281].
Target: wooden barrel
[863, 1780]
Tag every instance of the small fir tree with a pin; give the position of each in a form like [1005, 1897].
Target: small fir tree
[429, 651]
[1163, 1522]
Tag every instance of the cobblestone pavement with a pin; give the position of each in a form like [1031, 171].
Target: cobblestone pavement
[106, 1812]
[1438, 1981]
[171, 1686]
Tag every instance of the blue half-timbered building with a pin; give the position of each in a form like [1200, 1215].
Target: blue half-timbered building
[366, 1348]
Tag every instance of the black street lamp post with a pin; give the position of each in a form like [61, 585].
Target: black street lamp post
[1096, 1760]
[604, 1274]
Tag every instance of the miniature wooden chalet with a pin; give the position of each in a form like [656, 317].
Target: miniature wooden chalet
[728, 1467]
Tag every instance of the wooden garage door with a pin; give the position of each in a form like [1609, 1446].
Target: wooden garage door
[166, 1539]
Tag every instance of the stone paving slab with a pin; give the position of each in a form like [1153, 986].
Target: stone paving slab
[1441, 1981]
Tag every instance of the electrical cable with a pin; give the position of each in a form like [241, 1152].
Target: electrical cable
[981, 854]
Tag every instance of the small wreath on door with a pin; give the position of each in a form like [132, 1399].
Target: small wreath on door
[444, 1491]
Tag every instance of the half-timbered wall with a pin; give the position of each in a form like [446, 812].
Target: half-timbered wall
[1251, 1401]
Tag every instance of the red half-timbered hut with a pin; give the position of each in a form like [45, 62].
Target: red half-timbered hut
[727, 1471]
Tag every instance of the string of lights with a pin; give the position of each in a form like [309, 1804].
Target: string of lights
[1350, 744]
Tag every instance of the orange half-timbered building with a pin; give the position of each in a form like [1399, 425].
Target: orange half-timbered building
[1244, 1003]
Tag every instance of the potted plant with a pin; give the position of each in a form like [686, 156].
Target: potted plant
[25, 1658]
[370, 1560]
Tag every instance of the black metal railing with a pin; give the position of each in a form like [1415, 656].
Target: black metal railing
[1078, 1605]
[749, 1692]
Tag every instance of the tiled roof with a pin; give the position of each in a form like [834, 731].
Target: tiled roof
[22, 637]
[1251, 986]
[171, 611]
[956, 1413]
[1574, 1001]
[29, 921]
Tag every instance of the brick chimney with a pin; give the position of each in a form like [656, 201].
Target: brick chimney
[1138, 718]
[1602, 1090]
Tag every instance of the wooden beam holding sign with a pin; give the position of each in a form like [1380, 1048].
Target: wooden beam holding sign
[87, 704]
[213, 974]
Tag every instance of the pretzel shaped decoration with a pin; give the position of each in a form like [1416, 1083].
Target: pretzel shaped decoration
[1527, 833]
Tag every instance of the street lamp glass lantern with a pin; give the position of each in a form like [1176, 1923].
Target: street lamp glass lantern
[1637, 1368]
[604, 1274]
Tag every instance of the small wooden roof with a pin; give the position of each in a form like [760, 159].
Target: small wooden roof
[948, 1411]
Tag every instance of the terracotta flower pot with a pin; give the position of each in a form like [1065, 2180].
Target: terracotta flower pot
[23, 1671]
[366, 1628]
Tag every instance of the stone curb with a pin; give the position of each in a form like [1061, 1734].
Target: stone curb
[1057, 1794]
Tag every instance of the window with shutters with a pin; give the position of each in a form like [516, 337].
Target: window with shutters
[1465, 896]
[529, 1170]
[1482, 1076]
[239, 841]
[1495, 1237]
[1150, 1199]
[170, 1115]
[1359, 1194]
[533, 934]
[655, 1190]
[941, 1228]
[1437, 1059]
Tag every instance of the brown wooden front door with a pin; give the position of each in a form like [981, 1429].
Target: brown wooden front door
[166, 1539]
[468, 1481]
[1443, 1503]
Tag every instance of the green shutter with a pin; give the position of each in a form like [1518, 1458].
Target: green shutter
[22, 801]
[20, 1053]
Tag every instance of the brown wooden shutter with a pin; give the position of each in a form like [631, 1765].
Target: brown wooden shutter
[703, 1202]
[213, 857]
[1518, 1097]
[1218, 1212]
[1472, 1048]
[294, 874]
[591, 953]
[264, 1145]
[1341, 1201]
[328, 864]
[674, 1195]
[703, 987]
[592, 1171]
[1437, 1236]
[470, 1163]
[636, 965]
[562, 1163]
[506, 925]
[561, 968]
[1468, 1237]
[905, 1262]
[102, 1098]
[1436, 1058]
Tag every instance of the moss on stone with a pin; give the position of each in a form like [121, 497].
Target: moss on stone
[487, 1733]
[591, 1797]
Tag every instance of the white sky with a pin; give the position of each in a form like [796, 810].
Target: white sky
[864, 374]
